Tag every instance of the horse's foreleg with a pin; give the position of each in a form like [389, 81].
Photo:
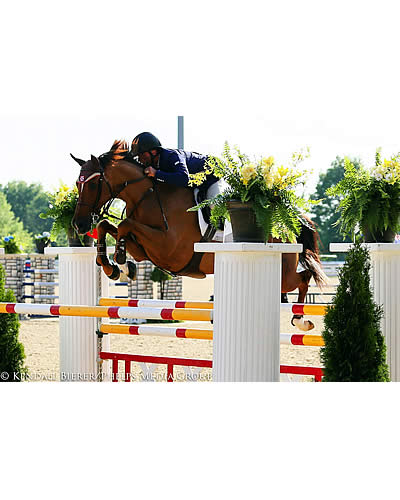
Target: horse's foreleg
[103, 228]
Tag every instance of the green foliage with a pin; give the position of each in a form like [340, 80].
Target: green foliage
[355, 349]
[10, 225]
[324, 214]
[62, 204]
[11, 350]
[159, 276]
[271, 190]
[27, 202]
[369, 199]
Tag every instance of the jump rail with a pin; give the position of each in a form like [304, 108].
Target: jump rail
[199, 334]
[107, 312]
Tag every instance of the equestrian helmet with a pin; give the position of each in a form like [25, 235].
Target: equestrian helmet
[144, 142]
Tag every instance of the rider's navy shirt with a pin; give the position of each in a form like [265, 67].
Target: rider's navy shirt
[175, 165]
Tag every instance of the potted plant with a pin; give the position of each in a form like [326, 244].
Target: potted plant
[10, 245]
[42, 241]
[62, 204]
[260, 199]
[370, 199]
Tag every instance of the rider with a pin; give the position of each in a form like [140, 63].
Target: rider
[172, 166]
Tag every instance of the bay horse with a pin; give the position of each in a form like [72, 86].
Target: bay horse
[159, 228]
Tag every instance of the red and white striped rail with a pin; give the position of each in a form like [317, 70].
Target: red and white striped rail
[174, 304]
[199, 334]
[158, 331]
[107, 312]
[309, 309]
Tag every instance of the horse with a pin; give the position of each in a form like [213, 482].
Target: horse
[159, 228]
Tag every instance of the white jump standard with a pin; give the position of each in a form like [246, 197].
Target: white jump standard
[247, 291]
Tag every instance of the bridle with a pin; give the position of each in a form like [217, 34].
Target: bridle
[104, 211]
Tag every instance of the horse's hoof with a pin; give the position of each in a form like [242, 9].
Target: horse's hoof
[301, 324]
[132, 270]
[115, 273]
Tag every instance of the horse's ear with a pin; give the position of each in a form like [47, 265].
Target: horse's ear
[95, 162]
[81, 162]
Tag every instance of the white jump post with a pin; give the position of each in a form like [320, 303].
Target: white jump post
[81, 283]
[247, 292]
[385, 280]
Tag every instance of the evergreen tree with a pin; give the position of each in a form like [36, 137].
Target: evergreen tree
[355, 349]
[11, 350]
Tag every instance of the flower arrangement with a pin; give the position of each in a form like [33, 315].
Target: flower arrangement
[44, 237]
[62, 204]
[41, 241]
[10, 245]
[269, 187]
[370, 198]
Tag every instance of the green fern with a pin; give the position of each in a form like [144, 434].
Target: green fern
[367, 201]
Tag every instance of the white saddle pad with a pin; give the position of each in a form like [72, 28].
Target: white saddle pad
[224, 236]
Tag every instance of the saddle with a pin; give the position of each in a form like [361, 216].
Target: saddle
[200, 195]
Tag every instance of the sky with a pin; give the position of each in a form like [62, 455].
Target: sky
[270, 77]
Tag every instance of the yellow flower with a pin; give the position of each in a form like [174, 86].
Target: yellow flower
[61, 196]
[267, 162]
[269, 175]
[248, 172]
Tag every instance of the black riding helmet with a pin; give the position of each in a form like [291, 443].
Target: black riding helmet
[144, 142]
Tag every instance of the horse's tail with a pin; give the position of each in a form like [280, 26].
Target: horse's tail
[309, 258]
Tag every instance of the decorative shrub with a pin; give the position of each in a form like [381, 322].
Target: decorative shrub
[355, 349]
[11, 350]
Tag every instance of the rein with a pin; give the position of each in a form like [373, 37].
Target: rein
[105, 209]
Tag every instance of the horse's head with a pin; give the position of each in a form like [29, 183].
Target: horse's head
[100, 181]
[94, 191]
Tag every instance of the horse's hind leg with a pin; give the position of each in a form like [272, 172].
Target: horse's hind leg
[298, 320]
[111, 270]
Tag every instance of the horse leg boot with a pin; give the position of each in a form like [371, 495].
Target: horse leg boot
[120, 245]
[298, 320]
[126, 239]
[111, 270]
[128, 267]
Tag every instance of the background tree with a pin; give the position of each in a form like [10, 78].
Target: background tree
[324, 214]
[27, 202]
[354, 349]
[11, 350]
[10, 225]
[159, 276]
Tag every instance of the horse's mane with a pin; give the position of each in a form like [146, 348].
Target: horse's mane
[119, 151]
